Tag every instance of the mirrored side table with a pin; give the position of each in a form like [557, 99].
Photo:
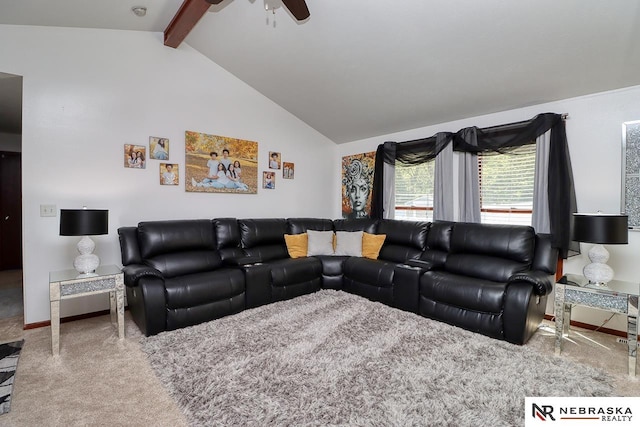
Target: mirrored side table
[616, 297]
[68, 284]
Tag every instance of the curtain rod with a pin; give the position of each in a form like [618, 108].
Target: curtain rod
[564, 116]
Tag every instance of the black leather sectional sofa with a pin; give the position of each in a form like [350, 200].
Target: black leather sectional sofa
[491, 279]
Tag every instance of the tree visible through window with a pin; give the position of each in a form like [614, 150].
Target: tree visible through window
[506, 185]
[414, 191]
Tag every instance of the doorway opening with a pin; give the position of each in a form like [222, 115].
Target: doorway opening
[11, 283]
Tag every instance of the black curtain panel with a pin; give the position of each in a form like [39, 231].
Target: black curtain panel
[500, 139]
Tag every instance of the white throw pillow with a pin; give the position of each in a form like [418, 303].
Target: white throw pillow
[349, 243]
[320, 243]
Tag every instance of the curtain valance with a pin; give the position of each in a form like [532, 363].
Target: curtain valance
[501, 139]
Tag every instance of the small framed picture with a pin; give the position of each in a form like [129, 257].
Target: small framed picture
[274, 160]
[169, 174]
[268, 180]
[287, 170]
[135, 156]
[158, 148]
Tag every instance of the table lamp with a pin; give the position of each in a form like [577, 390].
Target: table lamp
[600, 229]
[84, 222]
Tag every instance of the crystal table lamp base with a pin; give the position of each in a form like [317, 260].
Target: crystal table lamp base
[87, 261]
[598, 272]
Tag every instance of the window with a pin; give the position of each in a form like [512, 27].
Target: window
[414, 191]
[506, 185]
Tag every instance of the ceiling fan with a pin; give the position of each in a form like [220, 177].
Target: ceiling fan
[298, 8]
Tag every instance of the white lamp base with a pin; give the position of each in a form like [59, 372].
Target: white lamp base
[598, 272]
[86, 262]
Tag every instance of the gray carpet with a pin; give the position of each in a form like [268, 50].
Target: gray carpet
[339, 359]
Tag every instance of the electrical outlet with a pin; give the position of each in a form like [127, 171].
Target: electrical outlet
[48, 210]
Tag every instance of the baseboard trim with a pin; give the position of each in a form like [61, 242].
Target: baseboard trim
[46, 323]
[591, 327]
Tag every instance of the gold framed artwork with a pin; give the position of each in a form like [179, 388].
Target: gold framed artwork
[135, 156]
[158, 148]
[220, 164]
[169, 174]
[357, 182]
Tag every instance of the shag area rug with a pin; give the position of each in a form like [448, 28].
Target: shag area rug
[332, 358]
[9, 354]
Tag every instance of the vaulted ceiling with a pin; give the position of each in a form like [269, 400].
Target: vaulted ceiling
[361, 68]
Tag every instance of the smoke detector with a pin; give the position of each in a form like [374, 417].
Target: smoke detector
[139, 11]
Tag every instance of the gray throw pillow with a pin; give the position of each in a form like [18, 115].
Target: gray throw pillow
[349, 243]
[320, 243]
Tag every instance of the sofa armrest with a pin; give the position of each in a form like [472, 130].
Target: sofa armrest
[240, 262]
[423, 265]
[541, 281]
[134, 272]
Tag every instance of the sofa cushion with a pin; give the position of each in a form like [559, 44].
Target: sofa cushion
[362, 224]
[164, 237]
[513, 242]
[405, 239]
[264, 238]
[462, 291]
[289, 271]
[297, 244]
[371, 272]
[371, 245]
[301, 225]
[320, 243]
[483, 267]
[228, 239]
[197, 289]
[188, 262]
[348, 243]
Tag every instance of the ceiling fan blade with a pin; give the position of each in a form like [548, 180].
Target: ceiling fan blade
[298, 8]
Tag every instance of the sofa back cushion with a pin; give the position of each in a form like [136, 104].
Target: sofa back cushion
[264, 238]
[179, 247]
[438, 242]
[129, 248]
[302, 225]
[228, 238]
[363, 224]
[405, 239]
[490, 251]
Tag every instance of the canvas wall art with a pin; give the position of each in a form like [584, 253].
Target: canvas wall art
[220, 164]
[169, 174]
[135, 156]
[288, 170]
[274, 160]
[158, 148]
[357, 183]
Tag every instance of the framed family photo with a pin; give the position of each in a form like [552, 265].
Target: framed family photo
[274, 160]
[135, 156]
[220, 164]
[158, 148]
[268, 180]
[169, 174]
[287, 170]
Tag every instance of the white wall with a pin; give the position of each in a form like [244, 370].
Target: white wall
[594, 134]
[88, 92]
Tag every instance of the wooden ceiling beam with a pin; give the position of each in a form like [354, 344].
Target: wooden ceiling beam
[185, 19]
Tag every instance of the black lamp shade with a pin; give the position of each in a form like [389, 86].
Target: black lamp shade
[600, 228]
[83, 222]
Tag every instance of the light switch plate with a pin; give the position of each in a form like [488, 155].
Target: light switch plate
[48, 210]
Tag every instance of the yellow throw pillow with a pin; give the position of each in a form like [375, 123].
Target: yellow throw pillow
[371, 244]
[296, 245]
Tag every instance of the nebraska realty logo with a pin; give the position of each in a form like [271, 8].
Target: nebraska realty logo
[585, 411]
